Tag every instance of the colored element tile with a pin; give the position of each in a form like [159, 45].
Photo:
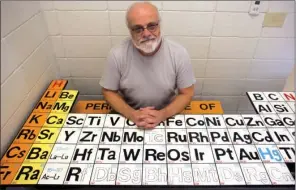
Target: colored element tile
[39, 153]
[36, 119]
[51, 95]
[8, 172]
[29, 173]
[27, 135]
[68, 95]
[16, 153]
[57, 85]
[55, 120]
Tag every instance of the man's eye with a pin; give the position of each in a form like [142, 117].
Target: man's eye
[137, 30]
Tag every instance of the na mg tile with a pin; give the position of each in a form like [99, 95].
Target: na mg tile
[224, 154]
[55, 120]
[288, 119]
[131, 154]
[8, 172]
[219, 136]
[287, 152]
[114, 120]
[62, 107]
[281, 136]
[180, 174]
[68, 136]
[288, 96]
[47, 135]
[200, 154]
[197, 137]
[234, 121]
[129, 174]
[108, 154]
[36, 119]
[247, 153]
[154, 154]
[133, 136]
[61, 153]
[214, 121]
[155, 136]
[255, 174]
[269, 153]
[257, 96]
[154, 174]
[53, 174]
[176, 136]
[272, 120]
[205, 174]
[273, 96]
[27, 135]
[281, 107]
[68, 95]
[178, 154]
[95, 120]
[253, 120]
[264, 107]
[39, 153]
[75, 120]
[44, 106]
[240, 136]
[279, 174]
[79, 174]
[103, 174]
[195, 121]
[28, 174]
[90, 136]
[230, 174]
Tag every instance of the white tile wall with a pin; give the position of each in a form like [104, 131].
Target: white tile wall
[189, 6]
[80, 5]
[123, 5]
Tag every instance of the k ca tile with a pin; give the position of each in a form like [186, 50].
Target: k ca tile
[195, 121]
[78, 174]
[287, 152]
[75, 120]
[69, 135]
[255, 174]
[155, 154]
[154, 174]
[272, 120]
[230, 174]
[205, 174]
[104, 174]
[176, 136]
[180, 174]
[234, 121]
[219, 136]
[253, 120]
[155, 136]
[279, 174]
[114, 121]
[61, 153]
[247, 153]
[129, 174]
[95, 120]
[199, 136]
[108, 154]
[90, 136]
[200, 154]
[53, 173]
[240, 136]
[84, 154]
[224, 154]
[269, 153]
[36, 119]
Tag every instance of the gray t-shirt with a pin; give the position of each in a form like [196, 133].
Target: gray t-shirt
[148, 80]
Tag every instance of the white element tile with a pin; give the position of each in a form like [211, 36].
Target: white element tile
[287, 152]
[240, 136]
[129, 174]
[202, 26]
[154, 154]
[237, 24]
[219, 136]
[230, 174]
[118, 23]
[51, 20]
[90, 136]
[222, 47]
[195, 121]
[192, 44]
[75, 120]
[261, 136]
[155, 136]
[288, 96]
[189, 6]
[223, 87]
[176, 136]
[111, 136]
[131, 154]
[233, 6]
[255, 174]
[79, 5]
[253, 121]
[286, 30]
[281, 107]
[198, 136]
[84, 154]
[246, 153]
[107, 154]
[272, 120]
[114, 120]
[86, 46]
[57, 45]
[61, 153]
[224, 154]
[288, 119]
[227, 68]
[176, 121]
[94, 120]
[103, 174]
[53, 173]
[234, 121]
[257, 96]
[201, 154]
[269, 153]
[270, 69]
[281, 136]
[275, 48]
[205, 174]
[214, 121]
[133, 136]
[128, 124]
[154, 174]
[281, 6]
[279, 174]
[83, 171]
[273, 96]
[178, 154]
[292, 105]
[180, 174]
[123, 5]
[68, 136]
[264, 107]
[292, 132]
[80, 22]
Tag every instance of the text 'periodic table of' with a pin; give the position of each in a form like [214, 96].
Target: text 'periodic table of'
[55, 146]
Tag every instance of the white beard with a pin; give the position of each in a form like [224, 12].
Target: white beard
[148, 47]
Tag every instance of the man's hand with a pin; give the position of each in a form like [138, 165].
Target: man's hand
[138, 118]
[152, 117]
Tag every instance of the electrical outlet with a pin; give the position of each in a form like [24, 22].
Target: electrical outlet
[254, 8]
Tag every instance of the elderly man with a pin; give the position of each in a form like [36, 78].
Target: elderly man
[144, 72]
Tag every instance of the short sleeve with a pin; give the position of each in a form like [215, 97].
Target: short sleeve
[111, 75]
[185, 74]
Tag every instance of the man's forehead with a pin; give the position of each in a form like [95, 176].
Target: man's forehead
[142, 14]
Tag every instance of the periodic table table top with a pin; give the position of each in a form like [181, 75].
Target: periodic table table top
[58, 147]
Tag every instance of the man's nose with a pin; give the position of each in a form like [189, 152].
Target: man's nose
[146, 33]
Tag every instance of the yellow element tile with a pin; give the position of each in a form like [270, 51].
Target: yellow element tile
[29, 173]
[47, 135]
[62, 107]
[55, 120]
[39, 153]
[68, 95]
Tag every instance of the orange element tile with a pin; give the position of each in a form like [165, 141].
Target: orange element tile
[91, 107]
[203, 107]
[44, 106]
[57, 84]
[51, 95]
[27, 135]
[7, 172]
[16, 153]
[36, 119]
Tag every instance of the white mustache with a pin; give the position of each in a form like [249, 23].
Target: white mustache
[146, 40]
